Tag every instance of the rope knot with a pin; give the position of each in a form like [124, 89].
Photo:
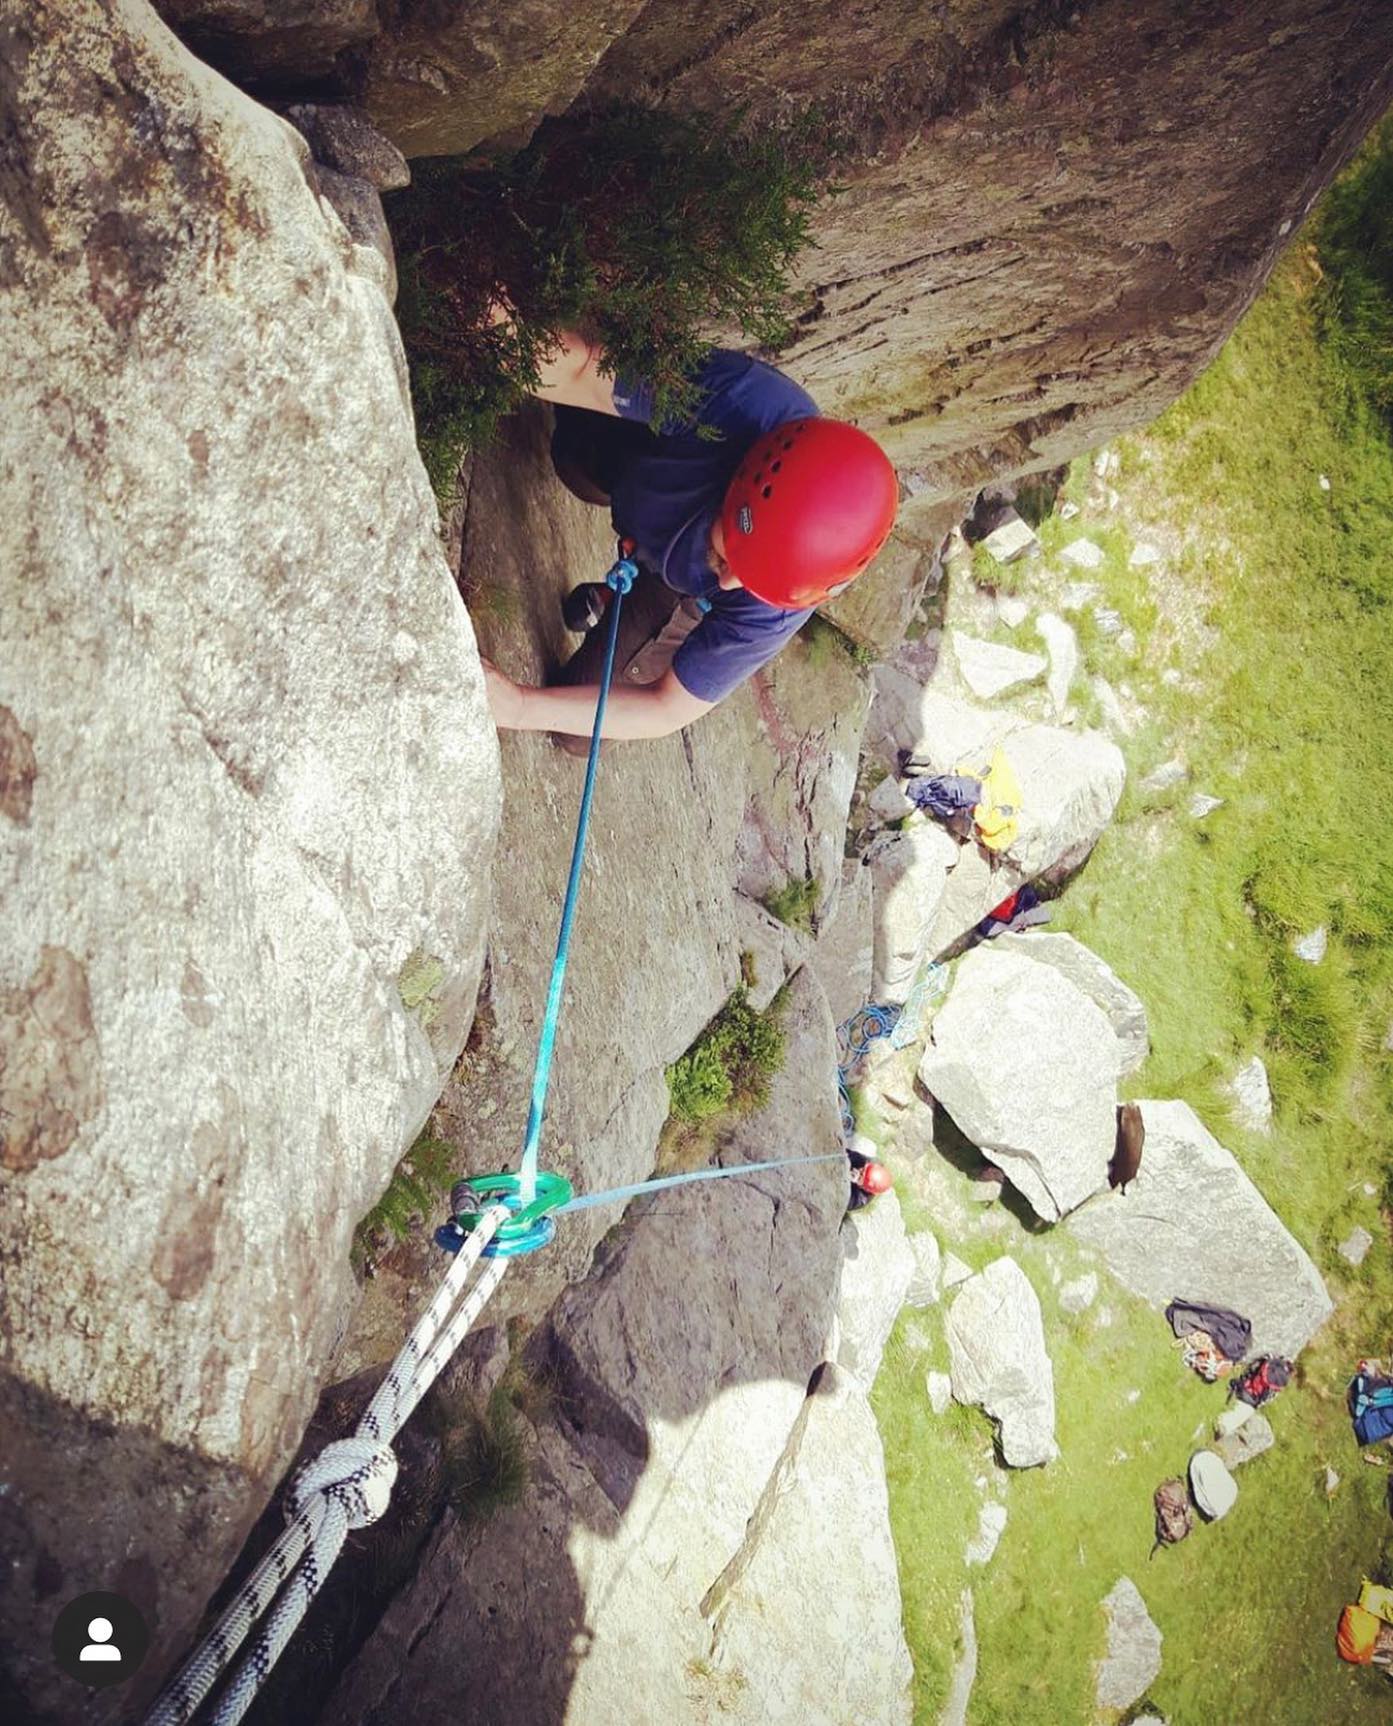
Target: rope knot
[357, 1473]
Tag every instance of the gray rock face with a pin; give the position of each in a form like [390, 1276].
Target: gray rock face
[805, 714]
[1026, 1065]
[1122, 1007]
[774, 951]
[876, 1273]
[844, 957]
[1193, 1225]
[908, 872]
[688, 1494]
[996, 1344]
[1134, 1648]
[772, 1608]
[261, 785]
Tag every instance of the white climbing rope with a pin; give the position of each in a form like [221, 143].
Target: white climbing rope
[346, 1486]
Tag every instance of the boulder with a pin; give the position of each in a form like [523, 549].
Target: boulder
[1354, 1249]
[939, 1387]
[1193, 1225]
[1133, 1659]
[923, 1289]
[878, 1267]
[779, 1642]
[989, 670]
[268, 43]
[1026, 1065]
[991, 1525]
[954, 1271]
[996, 1345]
[1247, 1440]
[1252, 1096]
[908, 871]
[1096, 978]
[245, 850]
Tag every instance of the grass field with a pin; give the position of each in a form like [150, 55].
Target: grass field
[1260, 653]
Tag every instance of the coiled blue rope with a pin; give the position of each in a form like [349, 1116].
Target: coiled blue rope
[621, 578]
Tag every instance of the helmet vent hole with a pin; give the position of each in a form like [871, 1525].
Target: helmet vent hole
[768, 491]
[777, 465]
[788, 443]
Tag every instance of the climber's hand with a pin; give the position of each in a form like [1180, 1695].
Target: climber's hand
[506, 699]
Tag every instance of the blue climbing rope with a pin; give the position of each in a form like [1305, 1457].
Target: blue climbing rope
[621, 578]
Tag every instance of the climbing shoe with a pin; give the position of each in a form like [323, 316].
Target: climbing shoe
[584, 606]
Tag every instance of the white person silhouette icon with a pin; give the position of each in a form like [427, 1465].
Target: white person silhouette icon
[100, 1647]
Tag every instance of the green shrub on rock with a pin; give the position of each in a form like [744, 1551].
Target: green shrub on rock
[730, 1064]
[640, 229]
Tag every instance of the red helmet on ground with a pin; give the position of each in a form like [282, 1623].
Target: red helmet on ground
[872, 1178]
[809, 507]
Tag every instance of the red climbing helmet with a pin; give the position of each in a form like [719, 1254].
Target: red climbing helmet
[809, 507]
[873, 1178]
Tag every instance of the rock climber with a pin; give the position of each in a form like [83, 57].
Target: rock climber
[869, 1179]
[739, 536]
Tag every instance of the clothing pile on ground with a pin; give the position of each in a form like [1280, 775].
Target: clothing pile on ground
[984, 803]
[1213, 1339]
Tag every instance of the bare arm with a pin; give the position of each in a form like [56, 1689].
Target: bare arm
[570, 374]
[652, 710]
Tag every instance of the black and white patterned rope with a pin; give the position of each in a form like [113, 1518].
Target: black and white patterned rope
[348, 1485]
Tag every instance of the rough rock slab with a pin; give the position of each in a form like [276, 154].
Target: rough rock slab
[654, 952]
[843, 959]
[908, 872]
[1249, 1439]
[1193, 1225]
[779, 1644]
[1026, 1065]
[1097, 979]
[878, 1267]
[996, 1344]
[678, 1308]
[879, 605]
[990, 670]
[1079, 1293]
[775, 950]
[804, 715]
[683, 1394]
[1354, 1249]
[258, 782]
[1134, 1648]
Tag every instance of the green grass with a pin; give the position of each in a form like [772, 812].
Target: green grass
[425, 1173]
[793, 903]
[1271, 617]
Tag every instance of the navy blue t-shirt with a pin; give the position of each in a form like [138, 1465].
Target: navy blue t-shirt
[668, 493]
